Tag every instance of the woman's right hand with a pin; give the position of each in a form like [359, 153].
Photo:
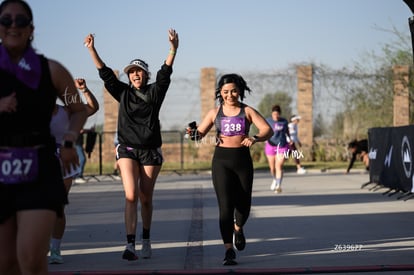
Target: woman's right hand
[89, 43]
[8, 104]
[89, 40]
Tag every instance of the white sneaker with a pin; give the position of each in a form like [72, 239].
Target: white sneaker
[146, 251]
[278, 189]
[80, 180]
[129, 253]
[301, 171]
[273, 185]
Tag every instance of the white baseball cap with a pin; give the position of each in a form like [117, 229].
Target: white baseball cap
[136, 63]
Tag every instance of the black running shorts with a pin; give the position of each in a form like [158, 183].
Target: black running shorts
[151, 157]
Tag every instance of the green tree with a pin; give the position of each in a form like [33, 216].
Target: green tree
[319, 127]
[337, 126]
[283, 99]
[368, 86]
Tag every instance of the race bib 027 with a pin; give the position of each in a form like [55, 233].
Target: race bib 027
[18, 165]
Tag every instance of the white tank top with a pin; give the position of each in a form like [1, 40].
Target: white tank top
[59, 123]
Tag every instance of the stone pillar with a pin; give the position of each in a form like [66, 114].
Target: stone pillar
[207, 88]
[401, 95]
[305, 107]
[207, 100]
[111, 107]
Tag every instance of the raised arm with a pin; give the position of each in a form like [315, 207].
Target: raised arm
[67, 92]
[90, 44]
[92, 105]
[173, 39]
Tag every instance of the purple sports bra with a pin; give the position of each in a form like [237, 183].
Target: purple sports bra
[232, 125]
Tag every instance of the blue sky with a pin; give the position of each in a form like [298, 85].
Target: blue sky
[228, 34]
[231, 35]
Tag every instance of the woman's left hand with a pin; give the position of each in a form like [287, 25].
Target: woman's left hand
[69, 158]
[248, 141]
[80, 83]
[173, 39]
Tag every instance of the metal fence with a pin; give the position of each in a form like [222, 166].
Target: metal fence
[182, 155]
[179, 154]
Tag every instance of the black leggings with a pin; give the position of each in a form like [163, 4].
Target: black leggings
[232, 172]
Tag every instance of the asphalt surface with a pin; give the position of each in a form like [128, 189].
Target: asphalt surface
[320, 223]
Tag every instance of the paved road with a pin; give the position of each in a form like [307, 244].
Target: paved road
[320, 223]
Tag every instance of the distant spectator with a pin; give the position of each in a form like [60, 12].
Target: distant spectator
[358, 148]
[277, 146]
[58, 126]
[293, 131]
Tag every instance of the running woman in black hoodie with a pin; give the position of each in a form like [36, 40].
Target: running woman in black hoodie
[139, 150]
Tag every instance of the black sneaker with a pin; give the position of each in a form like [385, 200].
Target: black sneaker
[229, 258]
[129, 254]
[239, 239]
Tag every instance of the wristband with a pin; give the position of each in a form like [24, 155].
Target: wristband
[195, 135]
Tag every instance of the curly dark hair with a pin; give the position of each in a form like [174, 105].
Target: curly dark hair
[232, 78]
[276, 108]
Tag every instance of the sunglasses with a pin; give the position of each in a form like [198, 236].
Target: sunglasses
[19, 21]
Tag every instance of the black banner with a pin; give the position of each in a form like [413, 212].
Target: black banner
[390, 157]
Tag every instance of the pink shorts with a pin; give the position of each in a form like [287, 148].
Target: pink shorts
[274, 150]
